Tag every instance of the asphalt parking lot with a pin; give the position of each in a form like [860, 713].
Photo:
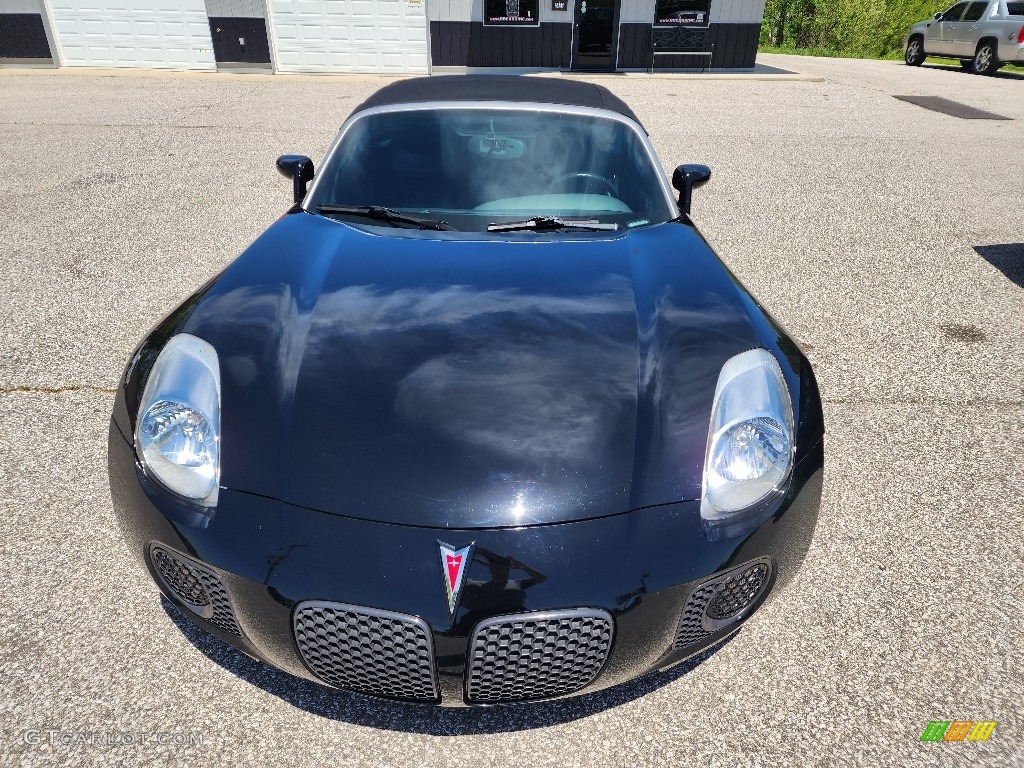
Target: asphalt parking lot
[889, 239]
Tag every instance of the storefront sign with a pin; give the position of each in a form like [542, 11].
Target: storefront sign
[512, 13]
[682, 13]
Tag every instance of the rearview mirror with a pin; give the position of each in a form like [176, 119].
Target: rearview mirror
[685, 179]
[299, 169]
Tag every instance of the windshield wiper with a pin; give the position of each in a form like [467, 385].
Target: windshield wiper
[379, 213]
[549, 223]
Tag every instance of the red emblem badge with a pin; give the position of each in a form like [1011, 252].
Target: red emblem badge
[453, 563]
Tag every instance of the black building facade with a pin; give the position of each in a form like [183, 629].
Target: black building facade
[384, 36]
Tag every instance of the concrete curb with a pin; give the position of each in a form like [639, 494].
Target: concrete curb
[372, 78]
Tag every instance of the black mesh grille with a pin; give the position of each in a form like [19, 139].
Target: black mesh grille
[181, 579]
[737, 592]
[691, 624]
[713, 604]
[366, 650]
[196, 586]
[535, 656]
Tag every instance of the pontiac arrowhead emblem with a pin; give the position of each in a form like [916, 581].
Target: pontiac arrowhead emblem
[453, 563]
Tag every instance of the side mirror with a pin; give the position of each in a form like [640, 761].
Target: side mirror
[685, 179]
[938, 16]
[299, 169]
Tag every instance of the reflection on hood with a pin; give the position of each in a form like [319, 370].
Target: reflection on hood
[554, 381]
[525, 401]
[367, 309]
[498, 369]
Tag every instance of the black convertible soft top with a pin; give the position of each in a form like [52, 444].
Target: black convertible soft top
[543, 90]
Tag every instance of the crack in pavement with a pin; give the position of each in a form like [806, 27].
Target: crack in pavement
[122, 125]
[930, 401]
[26, 389]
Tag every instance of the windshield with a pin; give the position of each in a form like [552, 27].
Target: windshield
[475, 167]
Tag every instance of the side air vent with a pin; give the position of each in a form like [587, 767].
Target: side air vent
[195, 586]
[721, 601]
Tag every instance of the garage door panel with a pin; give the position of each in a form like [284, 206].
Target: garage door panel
[179, 55]
[134, 33]
[350, 36]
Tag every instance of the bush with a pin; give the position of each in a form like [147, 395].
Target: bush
[857, 28]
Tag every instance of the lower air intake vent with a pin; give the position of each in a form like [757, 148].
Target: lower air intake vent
[737, 592]
[721, 601]
[366, 650]
[197, 587]
[537, 655]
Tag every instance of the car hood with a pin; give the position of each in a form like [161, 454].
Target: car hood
[453, 380]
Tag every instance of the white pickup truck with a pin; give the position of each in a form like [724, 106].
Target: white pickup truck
[982, 35]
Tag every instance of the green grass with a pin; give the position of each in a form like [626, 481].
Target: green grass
[830, 53]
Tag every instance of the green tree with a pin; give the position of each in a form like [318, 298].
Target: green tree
[863, 28]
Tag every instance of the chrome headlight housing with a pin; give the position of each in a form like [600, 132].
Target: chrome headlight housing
[177, 432]
[751, 439]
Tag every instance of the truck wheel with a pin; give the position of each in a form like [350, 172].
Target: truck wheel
[985, 60]
[914, 55]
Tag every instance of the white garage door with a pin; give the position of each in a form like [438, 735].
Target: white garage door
[162, 34]
[350, 35]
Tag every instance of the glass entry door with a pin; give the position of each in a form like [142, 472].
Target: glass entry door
[594, 48]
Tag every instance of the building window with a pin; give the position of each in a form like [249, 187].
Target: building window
[511, 13]
[682, 13]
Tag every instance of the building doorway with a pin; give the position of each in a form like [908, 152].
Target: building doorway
[594, 35]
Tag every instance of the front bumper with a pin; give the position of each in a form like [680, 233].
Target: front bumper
[643, 570]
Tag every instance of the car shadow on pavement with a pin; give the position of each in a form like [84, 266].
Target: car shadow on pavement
[1006, 73]
[425, 719]
[1008, 258]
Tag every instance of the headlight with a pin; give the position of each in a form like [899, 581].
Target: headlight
[750, 442]
[177, 434]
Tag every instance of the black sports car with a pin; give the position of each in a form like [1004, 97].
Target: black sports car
[482, 418]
